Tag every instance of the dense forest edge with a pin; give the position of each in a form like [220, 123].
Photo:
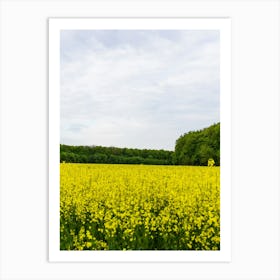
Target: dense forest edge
[192, 148]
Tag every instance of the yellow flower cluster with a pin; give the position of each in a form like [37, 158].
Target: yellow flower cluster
[139, 207]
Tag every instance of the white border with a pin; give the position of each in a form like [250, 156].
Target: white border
[221, 24]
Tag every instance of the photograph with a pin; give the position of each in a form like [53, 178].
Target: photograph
[140, 139]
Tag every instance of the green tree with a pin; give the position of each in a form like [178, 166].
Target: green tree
[196, 147]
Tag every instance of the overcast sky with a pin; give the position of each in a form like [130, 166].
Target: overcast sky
[137, 89]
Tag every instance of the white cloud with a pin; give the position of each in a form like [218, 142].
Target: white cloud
[137, 88]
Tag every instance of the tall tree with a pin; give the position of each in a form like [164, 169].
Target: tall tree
[197, 147]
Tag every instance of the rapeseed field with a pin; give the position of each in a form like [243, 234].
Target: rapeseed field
[139, 207]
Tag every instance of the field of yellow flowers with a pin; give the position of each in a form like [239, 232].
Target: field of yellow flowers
[139, 207]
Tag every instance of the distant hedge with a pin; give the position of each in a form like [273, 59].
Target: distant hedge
[99, 154]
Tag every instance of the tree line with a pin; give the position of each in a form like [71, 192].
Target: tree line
[99, 154]
[192, 148]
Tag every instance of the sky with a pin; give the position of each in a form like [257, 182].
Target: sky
[137, 88]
